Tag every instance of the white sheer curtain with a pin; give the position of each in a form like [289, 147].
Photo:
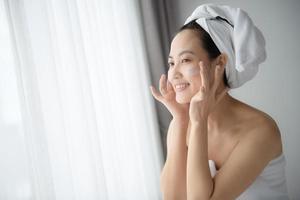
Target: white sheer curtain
[90, 129]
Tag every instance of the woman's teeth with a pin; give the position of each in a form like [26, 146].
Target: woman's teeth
[181, 87]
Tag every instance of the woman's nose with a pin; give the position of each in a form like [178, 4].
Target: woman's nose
[174, 73]
[177, 72]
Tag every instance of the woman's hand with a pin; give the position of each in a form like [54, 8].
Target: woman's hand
[167, 97]
[206, 99]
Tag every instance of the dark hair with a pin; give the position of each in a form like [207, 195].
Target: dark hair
[206, 42]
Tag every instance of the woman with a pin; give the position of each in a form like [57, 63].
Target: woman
[218, 147]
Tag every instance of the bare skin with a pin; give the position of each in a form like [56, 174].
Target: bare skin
[239, 138]
[223, 138]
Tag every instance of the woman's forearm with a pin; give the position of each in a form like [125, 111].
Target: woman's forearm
[173, 176]
[199, 181]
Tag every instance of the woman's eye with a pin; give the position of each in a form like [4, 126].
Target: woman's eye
[185, 60]
[171, 64]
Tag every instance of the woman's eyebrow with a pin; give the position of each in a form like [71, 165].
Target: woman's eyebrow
[183, 52]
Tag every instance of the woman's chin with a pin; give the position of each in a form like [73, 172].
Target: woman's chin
[183, 100]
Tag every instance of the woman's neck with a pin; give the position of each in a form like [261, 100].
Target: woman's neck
[222, 116]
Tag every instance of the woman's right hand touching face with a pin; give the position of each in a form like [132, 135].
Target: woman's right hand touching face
[167, 96]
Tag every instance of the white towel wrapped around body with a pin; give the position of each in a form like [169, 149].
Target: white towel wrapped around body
[236, 36]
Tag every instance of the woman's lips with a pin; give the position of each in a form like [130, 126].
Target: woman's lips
[180, 87]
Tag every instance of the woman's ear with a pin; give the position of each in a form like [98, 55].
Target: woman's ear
[222, 59]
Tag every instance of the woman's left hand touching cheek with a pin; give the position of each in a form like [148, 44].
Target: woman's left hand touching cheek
[206, 99]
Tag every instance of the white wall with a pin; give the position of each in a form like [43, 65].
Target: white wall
[276, 88]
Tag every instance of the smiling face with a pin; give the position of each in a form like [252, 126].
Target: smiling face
[184, 71]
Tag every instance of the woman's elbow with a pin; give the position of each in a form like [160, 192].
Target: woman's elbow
[197, 197]
[171, 193]
[173, 196]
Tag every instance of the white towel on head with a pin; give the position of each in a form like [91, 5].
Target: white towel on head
[239, 38]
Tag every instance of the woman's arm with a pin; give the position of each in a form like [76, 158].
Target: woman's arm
[200, 184]
[199, 180]
[260, 145]
[261, 142]
[248, 159]
[173, 176]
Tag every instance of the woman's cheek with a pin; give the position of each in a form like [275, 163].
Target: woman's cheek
[195, 84]
[193, 75]
[192, 71]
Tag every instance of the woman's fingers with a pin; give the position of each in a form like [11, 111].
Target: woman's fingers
[218, 77]
[156, 94]
[170, 87]
[164, 88]
[163, 84]
[204, 76]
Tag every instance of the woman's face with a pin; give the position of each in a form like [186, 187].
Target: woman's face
[184, 71]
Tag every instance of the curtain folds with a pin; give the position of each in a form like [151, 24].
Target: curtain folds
[157, 39]
[90, 126]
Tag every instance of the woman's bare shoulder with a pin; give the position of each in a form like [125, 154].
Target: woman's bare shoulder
[256, 118]
[258, 124]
